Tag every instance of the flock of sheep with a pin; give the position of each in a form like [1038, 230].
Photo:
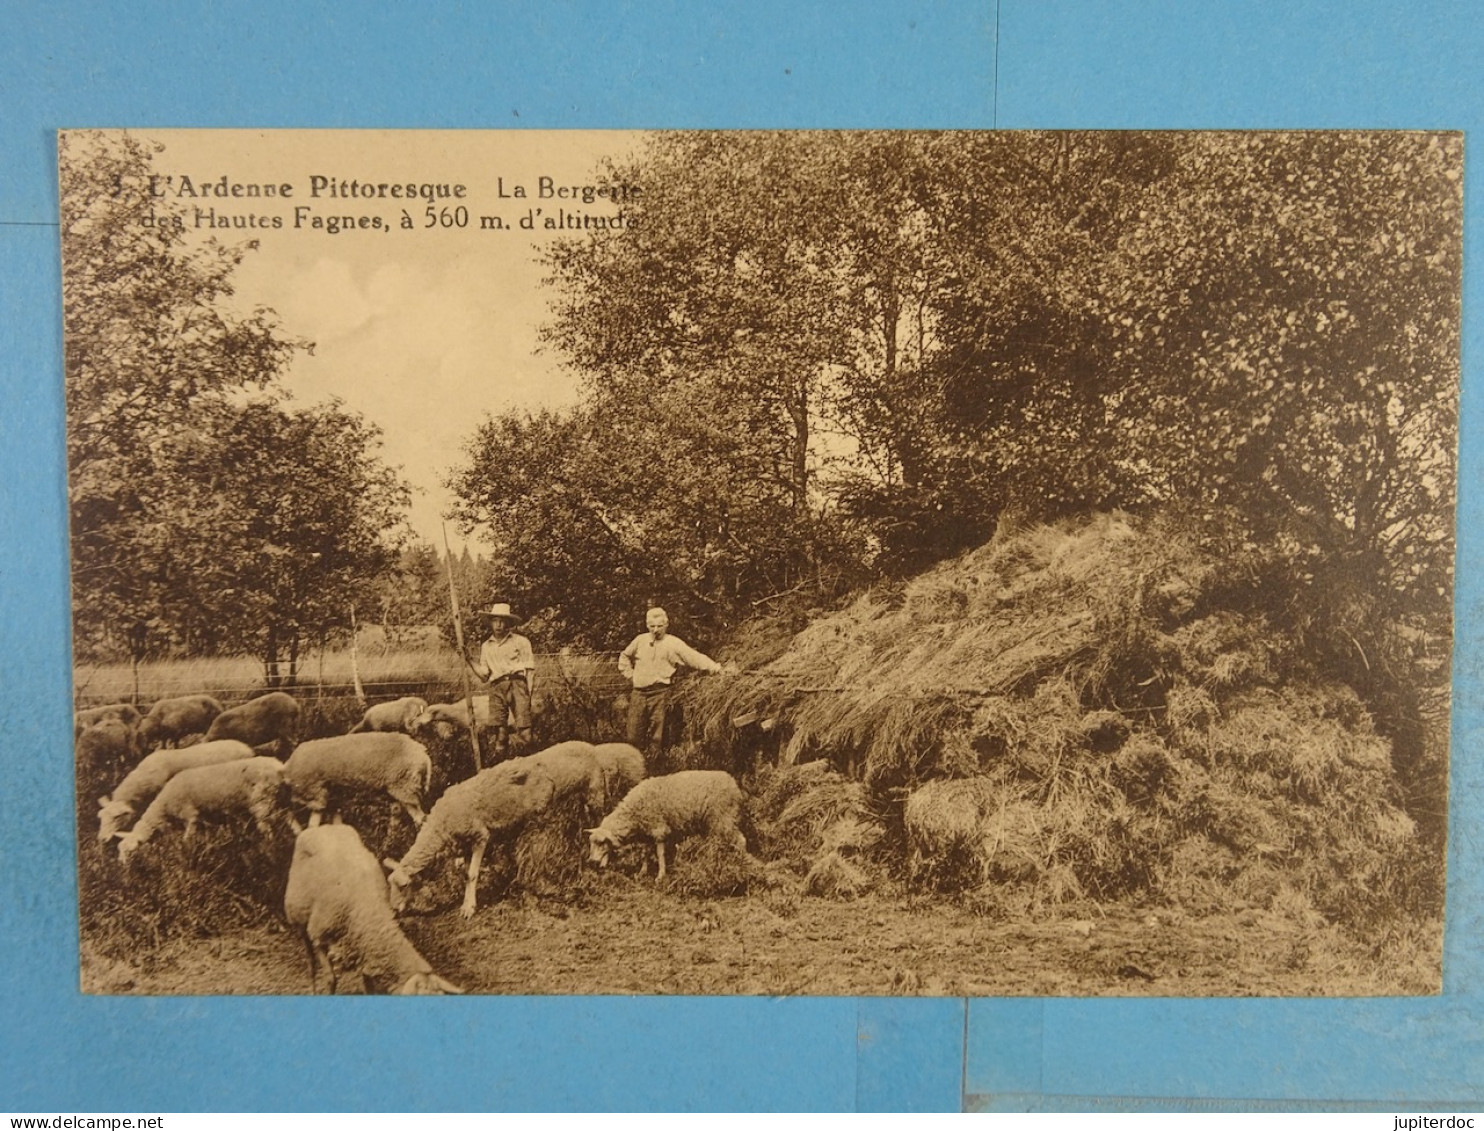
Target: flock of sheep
[207, 761]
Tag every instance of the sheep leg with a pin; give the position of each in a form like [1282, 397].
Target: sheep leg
[313, 952]
[315, 816]
[476, 857]
[659, 851]
[327, 964]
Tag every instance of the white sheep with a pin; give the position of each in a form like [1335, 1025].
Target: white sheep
[497, 800]
[246, 785]
[393, 764]
[447, 719]
[337, 899]
[668, 809]
[139, 787]
[398, 715]
[622, 767]
[574, 768]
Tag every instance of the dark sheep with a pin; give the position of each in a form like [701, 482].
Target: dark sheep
[109, 747]
[171, 720]
[268, 719]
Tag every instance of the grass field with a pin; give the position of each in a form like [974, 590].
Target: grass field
[384, 673]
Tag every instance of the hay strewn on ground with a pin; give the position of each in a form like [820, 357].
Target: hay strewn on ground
[1101, 709]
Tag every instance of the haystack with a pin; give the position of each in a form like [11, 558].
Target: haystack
[803, 814]
[1098, 709]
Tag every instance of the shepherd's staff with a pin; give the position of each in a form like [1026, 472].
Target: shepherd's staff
[458, 633]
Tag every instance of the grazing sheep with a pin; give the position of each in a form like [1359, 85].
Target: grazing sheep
[671, 808]
[244, 785]
[391, 763]
[125, 713]
[499, 799]
[448, 719]
[171, 720]
[271, 718]
[398, 715]
[622, 767]
[107, 747]
[574, 768]
[145, 780]
[337, 900]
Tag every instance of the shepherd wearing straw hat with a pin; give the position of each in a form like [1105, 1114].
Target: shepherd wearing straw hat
[508, 665]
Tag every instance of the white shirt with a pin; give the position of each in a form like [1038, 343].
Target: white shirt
[649, 663]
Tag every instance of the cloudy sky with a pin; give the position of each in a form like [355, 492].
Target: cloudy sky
[424, 330]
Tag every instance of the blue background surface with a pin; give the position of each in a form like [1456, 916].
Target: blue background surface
[621, 65]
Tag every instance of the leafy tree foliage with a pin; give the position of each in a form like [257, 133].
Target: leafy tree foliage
[413, 595]
[632, 501]
[208, 515]
[853, 352]
[290, 512]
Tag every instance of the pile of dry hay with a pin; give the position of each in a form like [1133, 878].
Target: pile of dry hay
[1103, 709]
[819, 825]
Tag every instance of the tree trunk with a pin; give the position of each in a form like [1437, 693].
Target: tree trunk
[798, 411]
[138, 636]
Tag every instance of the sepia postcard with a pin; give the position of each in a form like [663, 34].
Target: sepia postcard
[832, 563]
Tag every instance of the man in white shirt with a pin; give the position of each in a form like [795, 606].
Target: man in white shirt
[649, 663]
[508, 665]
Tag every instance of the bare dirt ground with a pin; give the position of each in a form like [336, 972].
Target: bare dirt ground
[622, 935]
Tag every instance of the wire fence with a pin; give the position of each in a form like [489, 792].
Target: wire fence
[421, 674]
[430, 676]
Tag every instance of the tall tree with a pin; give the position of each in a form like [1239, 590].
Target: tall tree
[916, 332]
[292, 514]
[207, 513]
[1290, 315]
[150, 339]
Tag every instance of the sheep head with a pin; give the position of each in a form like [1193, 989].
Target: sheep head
[600, 846]
[412, 715]
[111, 816]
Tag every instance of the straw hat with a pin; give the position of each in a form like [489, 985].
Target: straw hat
[501, 609]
